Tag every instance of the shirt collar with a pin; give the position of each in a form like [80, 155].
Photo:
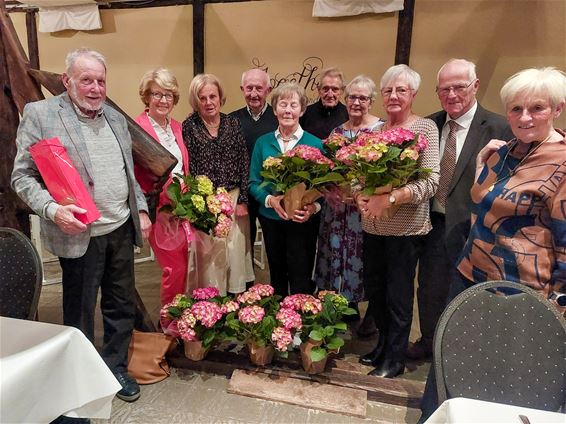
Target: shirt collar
[295, 136]
[466, 119]
[256, 117]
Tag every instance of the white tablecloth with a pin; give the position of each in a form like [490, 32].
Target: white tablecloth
[461, 410]
[47, 370]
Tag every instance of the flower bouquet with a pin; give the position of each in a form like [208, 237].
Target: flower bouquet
[198, 320]
[321, 325]
[298, 174]
[255, 324]
[379, 162]
[194, 199]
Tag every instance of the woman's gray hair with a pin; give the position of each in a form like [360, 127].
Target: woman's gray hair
[198, 83]
[286, 91]
[362, 82]
[548, 82]
[412, 76]
[74, 55]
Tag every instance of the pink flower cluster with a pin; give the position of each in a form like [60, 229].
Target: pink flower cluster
[226, 206]
[230, 306]
[186, 326]
[264, 290]
[205, 293]
[303, 303]
[208, 313]
[223, 226]
[321, 294]
[249, 297]
[336, 140]
[281, 338]
[309, 153]
[290, 319]
[251, 314]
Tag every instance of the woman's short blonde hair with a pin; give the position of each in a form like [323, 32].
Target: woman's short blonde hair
[413, 77]
[163, 78]
[286, 91]
[548, 82]
[198, 84]
[362, 82]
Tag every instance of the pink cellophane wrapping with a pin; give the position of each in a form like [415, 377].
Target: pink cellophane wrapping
[62, 178]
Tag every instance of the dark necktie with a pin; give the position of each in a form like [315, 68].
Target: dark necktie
[447, 164]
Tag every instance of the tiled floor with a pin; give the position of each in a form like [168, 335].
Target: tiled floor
[191, 397]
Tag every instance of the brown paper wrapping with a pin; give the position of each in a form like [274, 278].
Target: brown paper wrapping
[194, 350]
[308, 364]
[298, 196]
[260, 355]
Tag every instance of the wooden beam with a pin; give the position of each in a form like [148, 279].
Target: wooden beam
[198, 37]
[405, 33]
[33, 46]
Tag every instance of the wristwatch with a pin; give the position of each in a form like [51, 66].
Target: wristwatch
[392, 199]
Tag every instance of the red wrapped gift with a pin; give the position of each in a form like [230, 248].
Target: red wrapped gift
[62, 178]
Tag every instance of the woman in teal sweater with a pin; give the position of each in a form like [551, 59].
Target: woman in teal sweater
[290, 241]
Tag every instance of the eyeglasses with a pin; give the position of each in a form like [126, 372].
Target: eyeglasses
[458, 89]
[400, 91]
[362, 99]
[326, 89]
[159, 96]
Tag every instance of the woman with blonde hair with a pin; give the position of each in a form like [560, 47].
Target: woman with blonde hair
[159, 92]
[217, 149]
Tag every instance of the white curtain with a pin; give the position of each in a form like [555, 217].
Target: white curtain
[83, 17]
[335, 8]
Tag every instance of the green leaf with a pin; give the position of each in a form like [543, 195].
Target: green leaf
[318, 354]
[316, 335]
[342, 326]
[335, 343]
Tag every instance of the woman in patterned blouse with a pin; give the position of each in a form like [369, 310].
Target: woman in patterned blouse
[518, 228]
[392, 245]
[217, 149]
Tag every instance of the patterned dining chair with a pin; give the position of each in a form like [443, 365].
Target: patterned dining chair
[21, 275]
[502, 342]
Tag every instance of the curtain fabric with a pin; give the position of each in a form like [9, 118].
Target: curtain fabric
[336, 8]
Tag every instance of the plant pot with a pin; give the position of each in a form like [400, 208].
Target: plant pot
[194, 350]
[308, 364]
[261, 355]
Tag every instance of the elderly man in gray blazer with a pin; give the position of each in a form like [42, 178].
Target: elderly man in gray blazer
[100, 254]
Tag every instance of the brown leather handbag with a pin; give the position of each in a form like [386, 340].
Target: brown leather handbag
[146, 356]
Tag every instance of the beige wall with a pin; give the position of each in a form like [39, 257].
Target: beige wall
[501, 36]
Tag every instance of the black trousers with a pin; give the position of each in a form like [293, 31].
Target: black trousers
[436, 272]
[389, 273]
[290, 248]
[108, 264]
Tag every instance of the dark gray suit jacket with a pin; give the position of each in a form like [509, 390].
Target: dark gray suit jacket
[485, 126]
[56, 117]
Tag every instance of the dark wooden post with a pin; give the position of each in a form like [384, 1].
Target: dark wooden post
[198, 36]
[33, 45]
[404, 33]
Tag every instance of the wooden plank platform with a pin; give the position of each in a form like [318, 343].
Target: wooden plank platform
[396, 391]
[326, 397]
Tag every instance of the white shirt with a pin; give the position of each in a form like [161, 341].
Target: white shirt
[294, 139]
[464, 121]
[167, 139]
[256, 117]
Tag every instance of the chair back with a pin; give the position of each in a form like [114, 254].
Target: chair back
[502, 342]
[21, 275]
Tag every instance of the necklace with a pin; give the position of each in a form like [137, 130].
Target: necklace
[515, 169]
[388, 126]
[211, 126]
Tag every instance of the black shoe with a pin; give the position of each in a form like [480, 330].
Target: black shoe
[418, 351]
[373, 357]
[130, 389]
[62, 419]
[367, 328]
[389, 369]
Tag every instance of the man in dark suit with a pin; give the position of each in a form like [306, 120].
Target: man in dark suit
[473, 127]
[465, 128]
[257, 118]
